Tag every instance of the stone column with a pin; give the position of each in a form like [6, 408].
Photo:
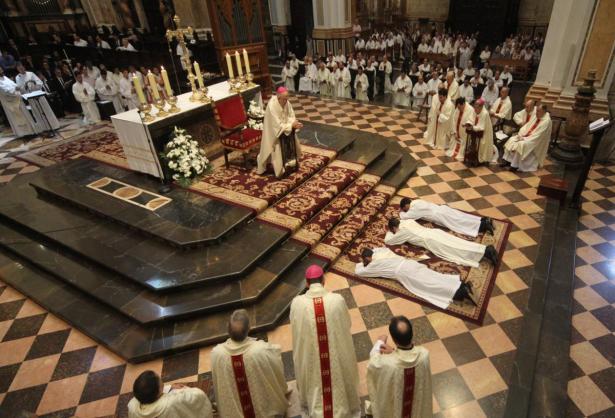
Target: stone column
[332, 26]
[434, 10]
[101, 12]
[279, 13]
[534, 16]
[193, 13]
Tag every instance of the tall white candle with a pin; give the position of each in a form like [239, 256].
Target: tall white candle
[238, 61]
[165, 79]
[138, 89]
[246, 60]
[229, 65]
[153, 85]
[199, 76]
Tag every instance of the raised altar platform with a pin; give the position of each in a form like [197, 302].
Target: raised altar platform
[147, 275]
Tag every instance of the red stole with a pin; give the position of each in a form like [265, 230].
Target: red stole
[243, 390]
[499, 106]
[458, 145]
[325, 362]
[527, 118]
[528, 133]
[408, 398]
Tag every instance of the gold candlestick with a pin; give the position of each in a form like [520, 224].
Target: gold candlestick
[160, 106]
[173, 102]
[145, 108]
[235, 85]
[196, 96]
[250, 79]
[204, 97]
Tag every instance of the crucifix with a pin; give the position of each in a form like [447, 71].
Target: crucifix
[180, 34]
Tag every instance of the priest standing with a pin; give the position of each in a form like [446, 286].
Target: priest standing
[43, 118]
[341, 81]
[248, 374]
[14, 108]
[107, 90]
[279, 120]
[288, 76]
[401, 90]
[323, 351]
[440, 120]
[527, 150]
[399, 380]
[361, 84]
[487, 152]
[464, 114]
[127, 91]
[85, 94]
[324, 79]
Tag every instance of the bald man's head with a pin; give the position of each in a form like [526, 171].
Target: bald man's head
[529, 105]
[400, 329]
[239, 325]
[504, 92]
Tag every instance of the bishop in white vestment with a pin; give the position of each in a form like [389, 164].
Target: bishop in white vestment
[440, 243]
[399, 380]
[401, 90]
[279, 119]
[361, 83]
[436, 288]
[453, 219]
[107, 90]
[527, 150]
[248, 374]
[85, 94]
[440, 120]
[14, 107]
[323, 352]
[464, 114]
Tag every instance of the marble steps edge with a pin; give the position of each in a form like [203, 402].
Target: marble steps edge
[146, 307]
[138, 343]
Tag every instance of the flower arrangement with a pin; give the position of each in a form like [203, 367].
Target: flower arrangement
[184, 158]
[256, 115]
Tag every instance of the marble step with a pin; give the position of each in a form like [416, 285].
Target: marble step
[151, 263]
[141, 305]
[364, 151]
[188, 219]
[386, 164]
[319, 135]
[398, 177]
[135, 342]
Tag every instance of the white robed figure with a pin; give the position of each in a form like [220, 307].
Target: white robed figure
[527, 150]
[248, 374]
[42, 117]
[440, 120]
[127, 91]
[108, 90]
[452, 86]
[341, 81]
[288, 74]
[453, 219]
[361, 84]
[487, 152]
[14, 107]
[436, 288]
[401, 90]
[279, 119]
[399, 380]
[524, 115]
[502, 107]
[419, 92]
[324, 80]
[464, 114]
[323, 351]
[306, 83]
[440, 243]
[86, 95]
[387, 67]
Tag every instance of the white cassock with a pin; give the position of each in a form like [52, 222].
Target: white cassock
[419, 92]
[42, 117]
[528, 149]
[459, 135]
[401, 377]
[256, 368]
[128, 96]
[15, 109]
[387, 67]
[453, 90]
[453, 219]
[341, 84]
[306, 82]
[502, 109]
[277, 121]
[432, 86]
[490, 96]
[522, 117]
[487, 152]
[288, 74]
[439, 124]
[178, 403]
[440, 243]
[108, 90]
[324, 82]
[436, 288]
[361, 83]
[402, 97]
[339, 375]
[85, 94]
[467, 92]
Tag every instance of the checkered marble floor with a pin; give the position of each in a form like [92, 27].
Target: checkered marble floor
[54, 370]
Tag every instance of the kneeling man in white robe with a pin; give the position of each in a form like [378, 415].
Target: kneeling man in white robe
[436, 288]
[86, 95]
[248, 374]
[440, 243]
[453, 219]
[153, 399]
[399, 380]
[323, 351]
[527, 150]
[279, 120]
[401, 90]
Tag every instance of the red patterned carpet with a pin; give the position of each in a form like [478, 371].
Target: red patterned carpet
[482, 278]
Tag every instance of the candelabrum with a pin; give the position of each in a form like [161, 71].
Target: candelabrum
[235, 84]
[196, 96]
[159, 103]
[250, 81]
[145, 108]
[172, 100]
[204, 97]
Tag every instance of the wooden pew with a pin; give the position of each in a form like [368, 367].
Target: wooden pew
[520, 69]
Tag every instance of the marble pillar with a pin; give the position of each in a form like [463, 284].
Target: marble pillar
[193, 13]
[332, 26]
[534, 16]
[279, 15]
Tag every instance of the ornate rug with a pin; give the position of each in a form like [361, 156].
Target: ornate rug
[317, 227]
[245, 188]
[300, 205]
[482, 278]
[350, 227]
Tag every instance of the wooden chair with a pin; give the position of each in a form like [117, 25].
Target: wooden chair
[424, 108]
[232, 120]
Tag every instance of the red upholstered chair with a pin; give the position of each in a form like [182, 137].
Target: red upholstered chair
[232, 118]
